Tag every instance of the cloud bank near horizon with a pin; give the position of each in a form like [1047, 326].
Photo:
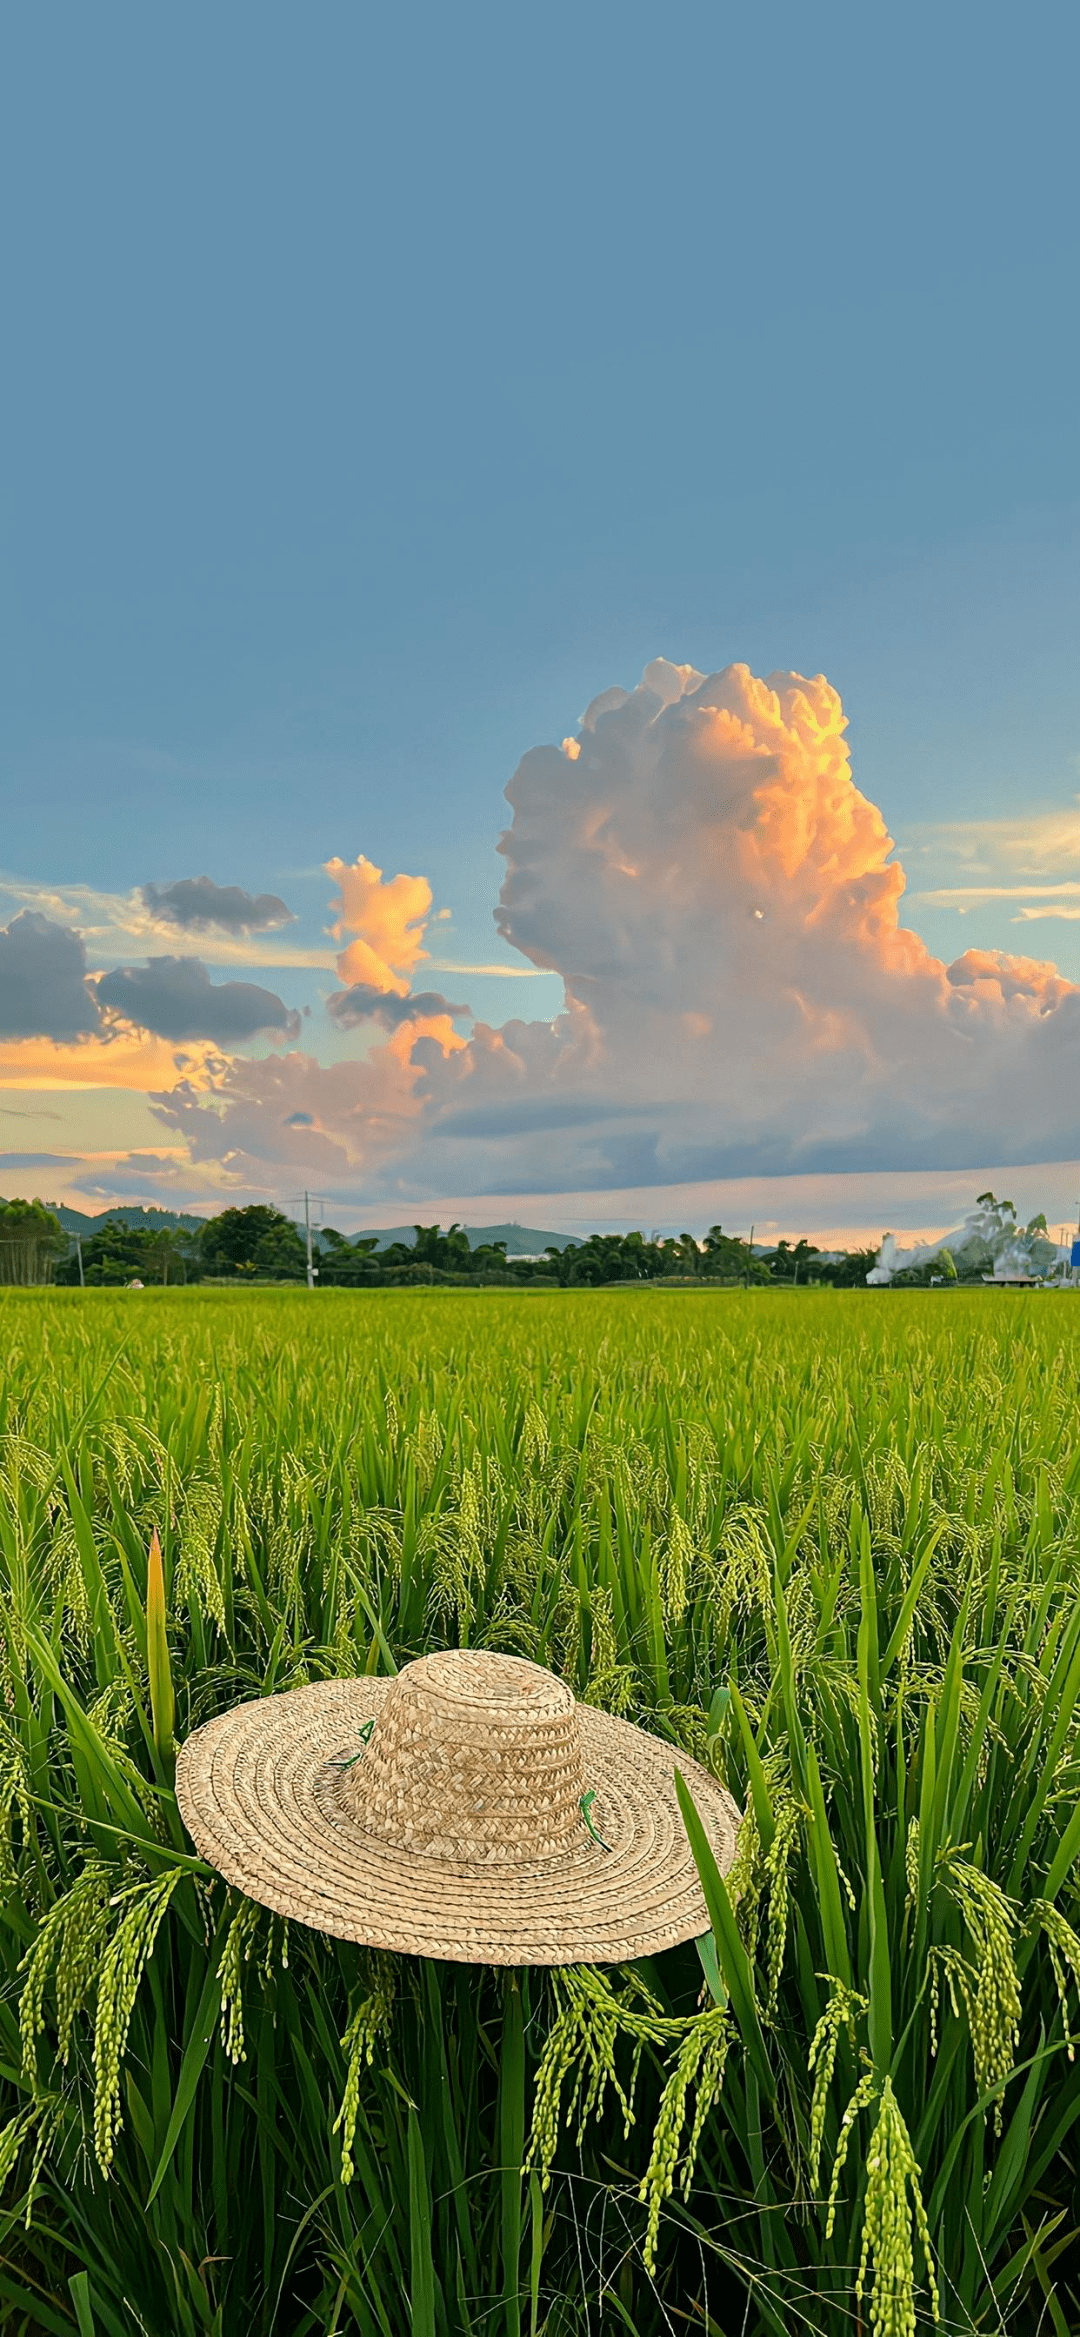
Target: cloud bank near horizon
[722, 905]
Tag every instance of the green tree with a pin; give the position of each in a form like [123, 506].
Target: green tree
[436, 1256]
[849, 1271]
[255, 1242]
[114, 1253]
[685, 1254]
[728, 1259]
[611, 1257]
[170, 1254]
[449, 1251]
[32, 1242]
[347, 1264]
[790, 1261]
[489, 1258]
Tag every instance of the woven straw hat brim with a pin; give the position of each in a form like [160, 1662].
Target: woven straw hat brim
[261, 1791]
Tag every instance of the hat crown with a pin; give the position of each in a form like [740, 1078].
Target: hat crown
[474, 1757]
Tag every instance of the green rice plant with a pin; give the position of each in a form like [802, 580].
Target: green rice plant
[826, 1543]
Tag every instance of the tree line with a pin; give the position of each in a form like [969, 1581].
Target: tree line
[261, 1244]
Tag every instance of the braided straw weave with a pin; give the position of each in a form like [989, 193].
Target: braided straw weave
[468, 1809]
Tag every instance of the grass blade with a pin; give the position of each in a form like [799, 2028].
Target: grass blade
[159, 1668]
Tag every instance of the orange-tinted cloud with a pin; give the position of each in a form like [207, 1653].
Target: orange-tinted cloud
[131, 1059]
[994, 975]
[427, 1026]
[385, 919]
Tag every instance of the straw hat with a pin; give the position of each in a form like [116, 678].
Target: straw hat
[468, 1809]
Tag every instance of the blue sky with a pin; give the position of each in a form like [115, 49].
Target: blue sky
[380, 389]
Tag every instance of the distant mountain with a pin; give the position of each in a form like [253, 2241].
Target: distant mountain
[154, 1220]
[522, 1241]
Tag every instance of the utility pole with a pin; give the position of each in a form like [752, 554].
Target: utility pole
[312, 1272]
[78, 1249]
[749, 1255]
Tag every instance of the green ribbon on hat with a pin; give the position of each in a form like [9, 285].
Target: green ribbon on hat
[585, 1805]
[364, 1732]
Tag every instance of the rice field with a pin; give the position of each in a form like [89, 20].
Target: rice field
[828, 1543]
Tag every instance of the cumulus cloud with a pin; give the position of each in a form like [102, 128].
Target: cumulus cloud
[993, 973]
[741, 996]
[382, 922]
[362, 1002]
[331, 1121]
[200, 905]
[44, 992]
[174, 997]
